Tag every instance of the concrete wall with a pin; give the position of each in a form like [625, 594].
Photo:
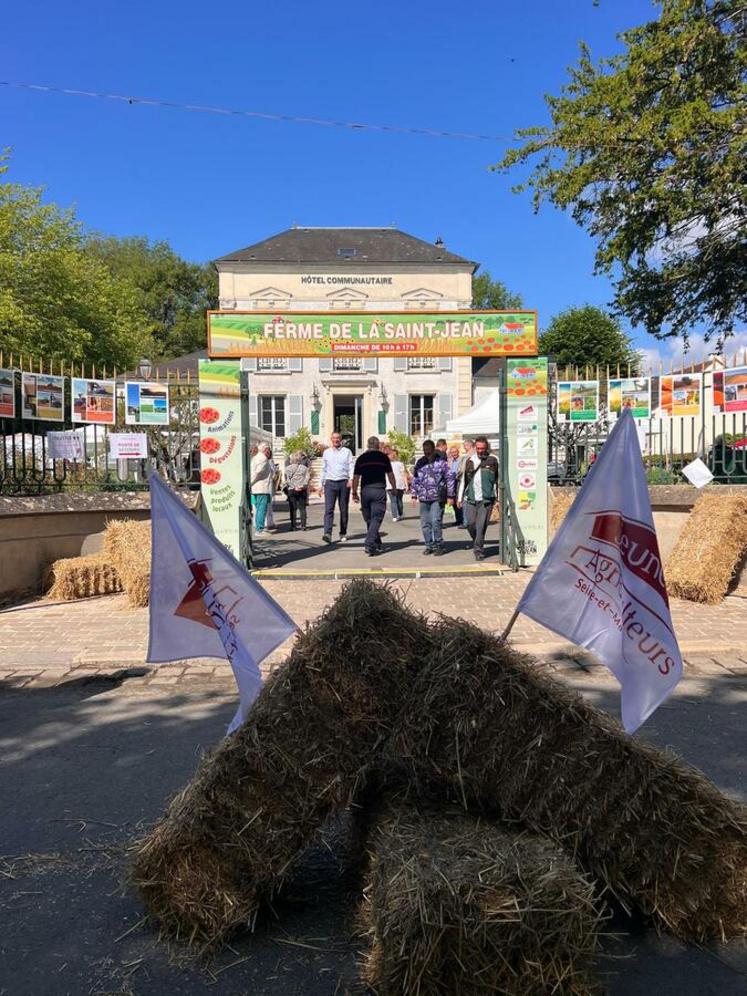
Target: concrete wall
[34, 532]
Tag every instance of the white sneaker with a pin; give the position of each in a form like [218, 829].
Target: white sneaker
[343, 539]
[395, 518]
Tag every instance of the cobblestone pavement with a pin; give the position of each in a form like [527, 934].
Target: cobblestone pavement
[46, 644]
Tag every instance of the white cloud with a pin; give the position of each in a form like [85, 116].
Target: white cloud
[669, 352]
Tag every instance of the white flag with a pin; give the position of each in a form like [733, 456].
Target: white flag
[601, 582]
[203, 603]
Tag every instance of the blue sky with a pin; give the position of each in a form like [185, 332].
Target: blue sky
[210, 184]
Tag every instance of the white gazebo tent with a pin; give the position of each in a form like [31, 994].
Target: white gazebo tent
[483, 419]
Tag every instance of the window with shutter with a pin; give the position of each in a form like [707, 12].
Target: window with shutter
[444, 363]
[295, 413]
[370, 364]
[445, 407]
[325, 364]
[295, 364]
[400, 364]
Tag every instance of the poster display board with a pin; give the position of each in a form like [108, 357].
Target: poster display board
[93, 401]
[128, 445]
[525, 454]
[221, 456]
[324, 333]
[146, 403]
[43, 397]
[629, 392]
[729, 390]
[578, 400]
[679, 394]
[7, 394]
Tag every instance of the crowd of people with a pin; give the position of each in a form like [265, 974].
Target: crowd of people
[465, 480]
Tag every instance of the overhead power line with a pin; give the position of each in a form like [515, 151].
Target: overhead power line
[262, 115]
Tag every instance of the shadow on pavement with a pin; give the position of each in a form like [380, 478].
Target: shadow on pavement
[83, 769]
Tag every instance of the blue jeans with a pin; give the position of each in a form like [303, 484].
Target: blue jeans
[397, 505]
[260, 504]
[431, 517]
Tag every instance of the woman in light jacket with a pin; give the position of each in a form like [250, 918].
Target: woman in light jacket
[297, 476]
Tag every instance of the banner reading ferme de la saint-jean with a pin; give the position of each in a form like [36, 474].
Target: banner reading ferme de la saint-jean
[309, 333]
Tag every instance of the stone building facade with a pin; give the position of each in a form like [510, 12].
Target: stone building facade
[351, 269]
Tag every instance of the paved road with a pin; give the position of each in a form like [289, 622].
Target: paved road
[85, 765]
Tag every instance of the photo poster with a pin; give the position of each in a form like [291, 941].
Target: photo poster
[93, 401]
[146, 403]
[679, 394]
[729, 390]
[7, 394]
[525, 455]
[221, 452]
[43, 397]
[578, 400]
[629, 392]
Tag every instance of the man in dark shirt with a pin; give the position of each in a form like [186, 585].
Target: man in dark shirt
[371, 471]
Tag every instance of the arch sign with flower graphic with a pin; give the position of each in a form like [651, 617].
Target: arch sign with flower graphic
[234, 334]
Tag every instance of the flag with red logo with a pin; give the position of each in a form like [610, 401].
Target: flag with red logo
[601, 582]
[203, 603]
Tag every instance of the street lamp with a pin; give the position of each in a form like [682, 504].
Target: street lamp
[144, 368]
[383, 399]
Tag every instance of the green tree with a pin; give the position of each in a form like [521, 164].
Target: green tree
[403, 444]
[489, 294]
[588, 336]
[647, 150]
[56, 301]
[173, 293]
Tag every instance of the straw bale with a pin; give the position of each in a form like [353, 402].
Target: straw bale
[81, 577]
[230, 838]
[491, 728]
[710, 549]
[457, 906]
[127, 546]
[561, 500]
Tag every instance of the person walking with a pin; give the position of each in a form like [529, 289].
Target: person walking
[400, 479]
[260, 480]
[371, 472]
[334, 485]
[297, 476]
[455, 466]
[274, 481]
[477, 493]
[432, 483]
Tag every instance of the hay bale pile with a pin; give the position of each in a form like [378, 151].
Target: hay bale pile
[493, 731]
[231, 837]
[81, 577]
[456, 905]
[711, 547]
[127, 548]
[453, 717]
[561, 500]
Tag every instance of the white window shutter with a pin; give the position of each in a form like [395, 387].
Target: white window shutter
[294, 413]
[444, 409]
[325, 364]
[253, 410]
[295, 364]
[444, 363]
[249, 363]
[400, 412]
[370, 364]
[400, 364]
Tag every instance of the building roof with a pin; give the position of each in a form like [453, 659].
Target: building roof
[344, 247]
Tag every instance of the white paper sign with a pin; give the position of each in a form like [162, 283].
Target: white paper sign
[128, 445]
[697, 473]
[64, 446]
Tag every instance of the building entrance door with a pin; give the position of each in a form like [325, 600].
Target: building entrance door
[348, 420]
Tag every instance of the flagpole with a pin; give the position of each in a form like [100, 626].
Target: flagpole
[510, 626]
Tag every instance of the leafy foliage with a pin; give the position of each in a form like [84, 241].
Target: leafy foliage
[403, 444]
[56, 301]
[489, 294]
[173, 293]
[588, 336]
[648, 150]
[300, 440]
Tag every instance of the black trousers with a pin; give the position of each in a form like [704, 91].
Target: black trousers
[336, 491]
[373, 507]
[297, 502]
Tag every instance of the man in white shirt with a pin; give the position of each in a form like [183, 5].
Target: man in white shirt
[261, 487]
[335, 484]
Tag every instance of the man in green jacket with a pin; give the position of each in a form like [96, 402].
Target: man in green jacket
[478, 490]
